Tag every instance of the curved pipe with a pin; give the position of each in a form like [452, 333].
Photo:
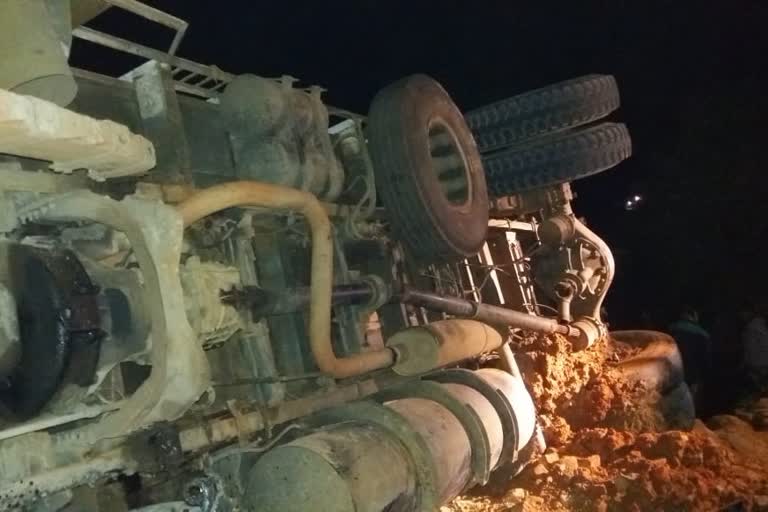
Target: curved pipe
[335, 180]
[609, 267]
[251, 193]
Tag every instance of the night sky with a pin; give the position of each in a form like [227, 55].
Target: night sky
[693, 80]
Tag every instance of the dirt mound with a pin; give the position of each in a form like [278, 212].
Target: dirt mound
[610, 447]
[575, 390]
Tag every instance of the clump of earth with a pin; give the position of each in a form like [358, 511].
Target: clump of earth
[616, 445]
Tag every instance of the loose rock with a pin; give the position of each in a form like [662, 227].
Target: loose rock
[592, 462]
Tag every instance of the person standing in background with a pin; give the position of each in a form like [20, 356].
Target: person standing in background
[755, 339]
[693, 342]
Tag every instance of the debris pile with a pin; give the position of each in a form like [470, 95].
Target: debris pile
[584, 389]
[615, 445]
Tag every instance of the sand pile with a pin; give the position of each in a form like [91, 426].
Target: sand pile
[614, 445]
[585, 389]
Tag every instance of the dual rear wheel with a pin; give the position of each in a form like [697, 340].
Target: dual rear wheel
[436, 168]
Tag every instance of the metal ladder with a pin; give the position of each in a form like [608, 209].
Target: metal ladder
[188, 77]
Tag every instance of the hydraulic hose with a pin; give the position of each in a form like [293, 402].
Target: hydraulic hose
[251, 193]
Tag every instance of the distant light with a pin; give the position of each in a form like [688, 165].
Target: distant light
[633, 202]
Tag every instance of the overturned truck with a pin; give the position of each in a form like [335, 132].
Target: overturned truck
[219, 293]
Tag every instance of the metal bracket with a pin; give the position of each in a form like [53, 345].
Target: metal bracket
[162, 122]
[158, 448]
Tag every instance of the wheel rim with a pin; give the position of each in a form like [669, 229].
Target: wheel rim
[449, 164]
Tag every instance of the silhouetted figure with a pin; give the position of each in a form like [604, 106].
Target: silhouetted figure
[694, 344]
[723, 384]
[755, 340]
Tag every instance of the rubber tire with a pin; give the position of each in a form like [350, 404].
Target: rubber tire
[659, 363]
[557, 159]
[550, 109]
[431, 228]
[660, 366]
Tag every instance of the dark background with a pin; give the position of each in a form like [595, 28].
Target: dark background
[692, 77]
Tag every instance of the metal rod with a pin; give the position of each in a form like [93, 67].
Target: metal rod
[298, 299]
[47, 422]
[214, 431]
[293, 300]
[156, 15]
[123, 45]
[202, 434]
[493, 315]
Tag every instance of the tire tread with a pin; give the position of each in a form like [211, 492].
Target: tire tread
[550, 109]
[557, 159]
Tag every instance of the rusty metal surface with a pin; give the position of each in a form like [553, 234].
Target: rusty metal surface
[60, 326]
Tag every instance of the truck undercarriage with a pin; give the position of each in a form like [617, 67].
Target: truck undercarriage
[219, 293]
